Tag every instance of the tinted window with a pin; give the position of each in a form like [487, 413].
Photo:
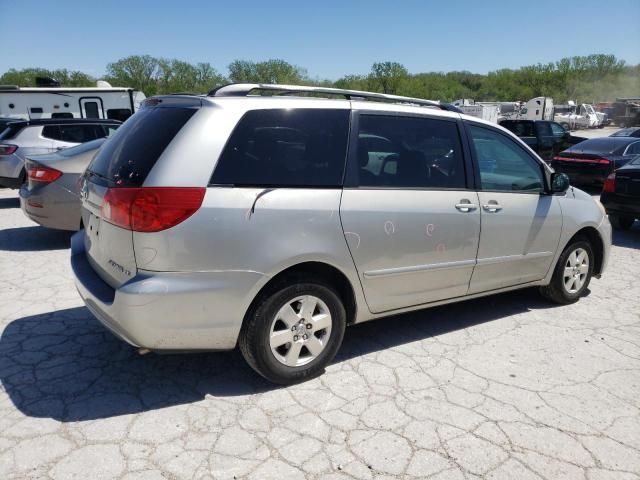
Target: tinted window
[409, 152]
[302, 147]
[62, 115]
[80, 133]
[634, 149]
[521, 129]
[11, 130]
[91, 110]
[627, 132]
[557, 130]
[36, 110]
[52, 132]
[118, 113]
[602, 146]
[544, 129]
[504, 165]
[128, 157]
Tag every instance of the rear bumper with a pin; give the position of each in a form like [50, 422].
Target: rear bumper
[10, 168]
[51, 206]
[621, 205]
[166, 310]
[585, 174]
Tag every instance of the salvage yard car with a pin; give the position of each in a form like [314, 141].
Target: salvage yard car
[260, 221]
[590, 162]
[545, 138]
[621, 195]
[34, 137]
[51, 195]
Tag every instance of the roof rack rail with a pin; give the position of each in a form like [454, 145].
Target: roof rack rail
[244, 89]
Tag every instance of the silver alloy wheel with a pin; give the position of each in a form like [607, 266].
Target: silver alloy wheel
[576, 270]
[300, 330]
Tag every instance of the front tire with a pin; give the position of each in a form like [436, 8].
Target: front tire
[293, 331]
[621, 223]
[572, 273]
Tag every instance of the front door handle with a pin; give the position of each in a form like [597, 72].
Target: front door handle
[492, 206]
[466, 206]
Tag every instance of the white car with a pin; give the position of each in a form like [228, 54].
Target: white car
[34, 137]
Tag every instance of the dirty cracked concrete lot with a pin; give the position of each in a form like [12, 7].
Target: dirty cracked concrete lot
[502, 387]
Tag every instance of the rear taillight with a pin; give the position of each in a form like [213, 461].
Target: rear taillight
[610, 184]
[150, 209]
[6, 149]
[601, 161]
[42, 174]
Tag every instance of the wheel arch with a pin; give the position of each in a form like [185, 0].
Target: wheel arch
[595, 240]
[332, 275]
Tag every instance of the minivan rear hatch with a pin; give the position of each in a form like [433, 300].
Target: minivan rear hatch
[116, 176]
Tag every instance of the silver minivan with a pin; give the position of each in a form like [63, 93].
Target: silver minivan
[274, 221]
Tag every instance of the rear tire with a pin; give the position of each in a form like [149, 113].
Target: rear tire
[294, 330]
[572, 273]
[621, 223]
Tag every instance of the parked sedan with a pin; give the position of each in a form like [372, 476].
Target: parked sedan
[590, 162]
[627, 132]
[51, 195]
[621, 195]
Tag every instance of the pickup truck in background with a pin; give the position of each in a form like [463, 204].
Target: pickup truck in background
[546, 138]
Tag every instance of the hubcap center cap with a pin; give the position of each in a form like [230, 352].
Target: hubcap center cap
[301, 329]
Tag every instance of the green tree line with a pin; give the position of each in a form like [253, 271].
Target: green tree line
[590, 78]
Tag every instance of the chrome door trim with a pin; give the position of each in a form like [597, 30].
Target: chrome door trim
[512, 258]
[419, 268]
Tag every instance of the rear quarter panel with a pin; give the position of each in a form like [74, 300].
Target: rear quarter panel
[288, 226]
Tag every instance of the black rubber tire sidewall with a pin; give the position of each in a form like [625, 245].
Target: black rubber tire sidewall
[555, 291]
[254, 337]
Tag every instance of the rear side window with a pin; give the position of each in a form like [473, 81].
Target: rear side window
[52, 132]
[119, 113]
[283, 147]
[409, 152]
[521, 129]
[128, 157]
[79, 133]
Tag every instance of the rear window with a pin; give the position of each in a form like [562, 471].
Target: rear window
[133, 150]
[601, 146]
[12, 130]
[626, 132]
[288, 148]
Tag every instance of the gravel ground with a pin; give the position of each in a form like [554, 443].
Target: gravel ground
[505, 387]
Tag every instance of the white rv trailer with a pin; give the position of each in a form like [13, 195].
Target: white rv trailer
[101, 101]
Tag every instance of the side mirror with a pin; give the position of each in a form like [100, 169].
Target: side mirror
[559, 183]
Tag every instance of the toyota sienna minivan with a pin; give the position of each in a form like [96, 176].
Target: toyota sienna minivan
[273, 221]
